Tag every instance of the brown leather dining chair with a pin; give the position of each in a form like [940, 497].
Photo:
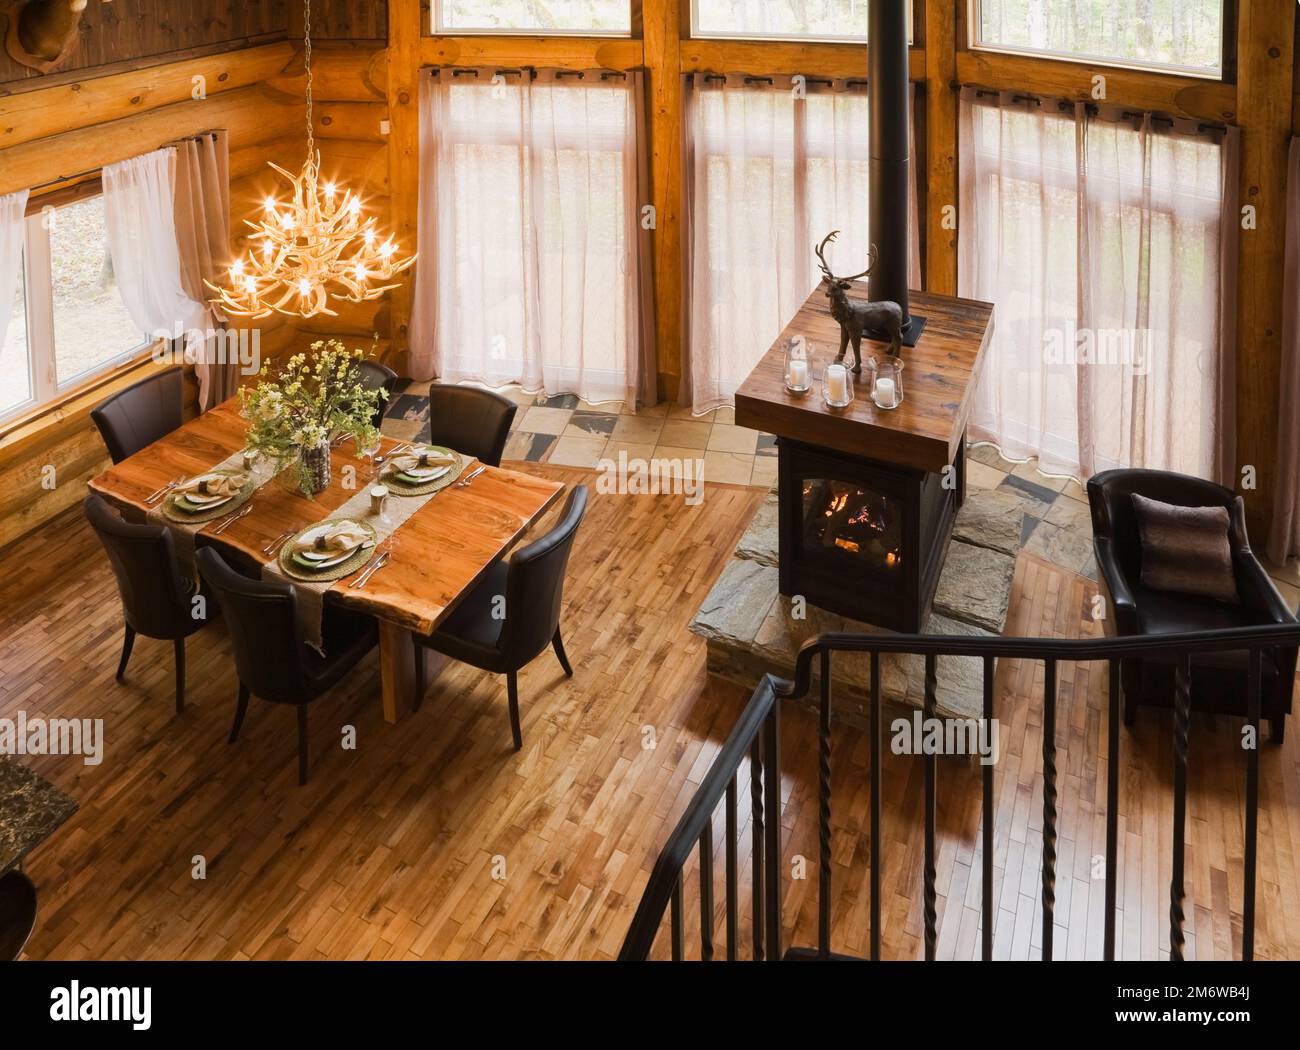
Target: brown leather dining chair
[272, 658]
[138, 416]
[472, 421]
[1218, 679]
[157, 598]
[532, 583]
[375, 376]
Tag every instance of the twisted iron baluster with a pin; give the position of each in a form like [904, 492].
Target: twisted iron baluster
[824, 809]
[931, 895]
[1182, 721]
[756, 851]
[1049, 806]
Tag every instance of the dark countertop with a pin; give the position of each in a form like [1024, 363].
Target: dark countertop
[31, 810]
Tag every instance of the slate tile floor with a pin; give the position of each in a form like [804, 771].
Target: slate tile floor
[568, 432]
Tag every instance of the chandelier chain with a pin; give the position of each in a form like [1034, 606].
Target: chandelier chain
[311, 124]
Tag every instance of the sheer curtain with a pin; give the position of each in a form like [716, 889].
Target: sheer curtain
[13, 212]
[139, 208]
[1105, 242]
[771, 168]
[529, 234]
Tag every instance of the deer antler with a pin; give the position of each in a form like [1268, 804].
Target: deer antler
[821, 255]
[826, 270]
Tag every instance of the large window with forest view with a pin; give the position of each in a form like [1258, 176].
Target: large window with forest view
[613, 17]
[68, 320]
[781, 19]
[1176, 35]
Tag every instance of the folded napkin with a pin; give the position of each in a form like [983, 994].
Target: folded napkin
[422, 459]
[214, 485]
[338, 539]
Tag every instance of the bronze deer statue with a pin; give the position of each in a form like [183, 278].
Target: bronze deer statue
[855, 317]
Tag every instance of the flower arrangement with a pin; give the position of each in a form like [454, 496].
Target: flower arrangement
[314, 401]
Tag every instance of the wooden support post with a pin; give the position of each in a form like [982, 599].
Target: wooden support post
[941, 146]
[662, 27]
[404, 32]
[1265, 58]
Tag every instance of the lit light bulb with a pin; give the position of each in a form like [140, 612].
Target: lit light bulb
[237, 270]
[354, 207]
[270, 204]
[387, 250]
[250, 285]
[304, 287]
[361, 272]
[329, 192]
[286, 220]
[370, 237]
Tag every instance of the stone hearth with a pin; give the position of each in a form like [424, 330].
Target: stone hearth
[750, 630]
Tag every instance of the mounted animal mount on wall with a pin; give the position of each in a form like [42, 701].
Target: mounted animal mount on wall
[42, 33]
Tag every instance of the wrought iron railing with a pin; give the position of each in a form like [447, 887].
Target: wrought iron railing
[757, 735]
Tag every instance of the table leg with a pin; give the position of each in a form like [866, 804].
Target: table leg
[397, 656]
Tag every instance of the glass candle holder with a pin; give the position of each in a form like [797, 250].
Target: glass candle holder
[798, 369]
[837, 386]
[250, 458]
[887, 382]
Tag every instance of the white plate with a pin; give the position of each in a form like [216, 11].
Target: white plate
[199, 506]
[426, 474]
[338, 560]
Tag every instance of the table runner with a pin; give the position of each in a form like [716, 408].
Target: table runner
[183, 532]
[311, 594]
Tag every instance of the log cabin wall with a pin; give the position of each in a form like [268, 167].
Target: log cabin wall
[368, 56]
[121, 95]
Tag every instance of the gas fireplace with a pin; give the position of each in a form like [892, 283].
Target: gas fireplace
[862, 538]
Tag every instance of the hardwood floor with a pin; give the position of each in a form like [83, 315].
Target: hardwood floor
[432, 839]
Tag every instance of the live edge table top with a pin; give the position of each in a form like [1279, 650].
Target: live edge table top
[441, 551]
[939, 380]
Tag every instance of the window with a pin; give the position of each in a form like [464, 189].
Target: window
[826, 20]
[533, 185]
[770, 176]
[68, 320]
[612, 17]
[1177, 35]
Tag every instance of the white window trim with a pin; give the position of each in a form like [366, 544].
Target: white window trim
[441, 29]
[813, 38]
[974, 42]
[44, 385]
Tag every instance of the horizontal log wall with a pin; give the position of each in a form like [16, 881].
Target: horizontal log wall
[73, 126]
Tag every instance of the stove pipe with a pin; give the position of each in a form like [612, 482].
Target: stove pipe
[889, 100]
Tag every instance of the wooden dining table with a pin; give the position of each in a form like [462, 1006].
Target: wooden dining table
[438, 554]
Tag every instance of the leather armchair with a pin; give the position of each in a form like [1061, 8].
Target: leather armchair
[273, 660]
[157, 599]
[532, 583]
[473, 421]
[1218, 679]
[138, 416]
[375, 376]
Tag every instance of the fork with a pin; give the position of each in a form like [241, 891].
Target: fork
[472, 475]
[378, 563]
[158, 494]
[243, 512]
[277, 543]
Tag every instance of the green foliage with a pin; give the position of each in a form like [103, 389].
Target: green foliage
[314, 400]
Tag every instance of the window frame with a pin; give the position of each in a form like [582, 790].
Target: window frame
[44, 386]
[437, 28]
[1221, 74]
[695, 33]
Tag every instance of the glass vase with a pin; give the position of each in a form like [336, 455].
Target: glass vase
[314, 468]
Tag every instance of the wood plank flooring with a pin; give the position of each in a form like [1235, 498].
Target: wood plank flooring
[432, 839]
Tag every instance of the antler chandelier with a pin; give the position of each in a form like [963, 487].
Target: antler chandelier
[315, 247]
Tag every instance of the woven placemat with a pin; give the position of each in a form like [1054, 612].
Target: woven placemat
[335, 572]
[398, 487]
[199, 516]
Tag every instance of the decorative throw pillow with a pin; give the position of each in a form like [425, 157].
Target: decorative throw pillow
[1186, 549]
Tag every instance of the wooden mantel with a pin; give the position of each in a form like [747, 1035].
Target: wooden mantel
[939, 380]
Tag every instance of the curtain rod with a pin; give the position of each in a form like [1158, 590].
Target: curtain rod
[560, 74]
[1093, 109]
[809, 81]
[99, 168]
